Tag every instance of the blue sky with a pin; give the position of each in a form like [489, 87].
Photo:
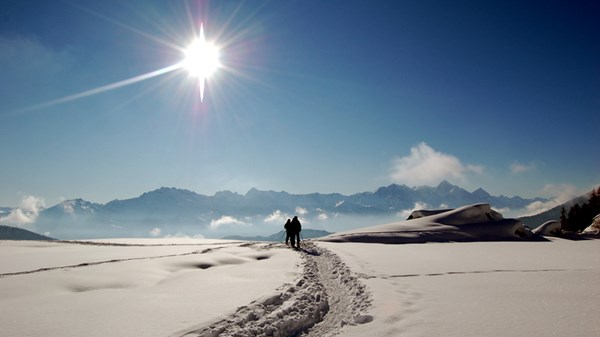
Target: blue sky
[313, 96]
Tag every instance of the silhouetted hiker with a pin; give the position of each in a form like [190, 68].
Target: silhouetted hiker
[288, 231]
[296, 229]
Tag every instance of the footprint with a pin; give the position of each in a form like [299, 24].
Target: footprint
[363, 319]
[204, 265]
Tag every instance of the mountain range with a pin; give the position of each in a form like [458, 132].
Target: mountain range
[280, 236]
[172, 211]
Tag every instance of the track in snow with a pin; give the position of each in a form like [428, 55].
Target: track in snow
[89, 264]
[325, 298]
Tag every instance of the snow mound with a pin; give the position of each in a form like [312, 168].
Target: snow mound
[476, 222]
[594, 228]
[551, 228]
[425, 212]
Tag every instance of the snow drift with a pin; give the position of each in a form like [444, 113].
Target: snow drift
[594, 228]
[476, 222]
[548, 228]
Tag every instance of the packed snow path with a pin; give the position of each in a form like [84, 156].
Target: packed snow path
[325, 298]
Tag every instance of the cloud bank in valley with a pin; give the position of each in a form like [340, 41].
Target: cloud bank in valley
[426, 166]
[558, 195]
[26, 213]
[226, 220]
[276, 217]
[155, 232]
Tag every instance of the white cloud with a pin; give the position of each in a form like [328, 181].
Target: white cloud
[517, 167]
[425, 166]
[558, 195]
[181, 235]
[418, 205]
[68, 207]
[504, 211]
[301, 210]
[178, 235]
[225, 220]
[323, 217]
[277, 216]
[155, 232]
[26, 213]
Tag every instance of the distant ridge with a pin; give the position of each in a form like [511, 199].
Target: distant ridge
[280, 236]
[171, 211]
[14, 233]
[553, 213]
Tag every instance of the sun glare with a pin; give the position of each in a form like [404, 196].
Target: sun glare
[201, 59]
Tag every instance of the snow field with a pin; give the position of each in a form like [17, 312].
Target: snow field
[543, 288]
[155, 294]
[325, 298]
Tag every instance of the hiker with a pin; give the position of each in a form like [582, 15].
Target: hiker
[296, 229]
[288, 232]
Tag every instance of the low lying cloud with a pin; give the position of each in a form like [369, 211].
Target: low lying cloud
[301, 210]
[180, 235]
[277, 217]
[425, 166]
[26, 213]
[155, 232]
[516, 167]
[558, 195]
[418, 205]
[226, 220]
[503, 211]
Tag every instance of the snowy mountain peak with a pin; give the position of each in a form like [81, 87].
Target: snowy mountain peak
[252, 191]
[226, 194]
[481, 193]
[168, 190]
[446, 187]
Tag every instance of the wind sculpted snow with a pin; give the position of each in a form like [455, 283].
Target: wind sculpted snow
[468, 223]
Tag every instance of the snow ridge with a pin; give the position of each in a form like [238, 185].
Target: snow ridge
[326, 297]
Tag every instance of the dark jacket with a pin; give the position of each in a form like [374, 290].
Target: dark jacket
[288, 226]
[295, 225]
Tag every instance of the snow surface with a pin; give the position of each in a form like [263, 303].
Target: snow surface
[478, 289]
[594, 228]
[91, 290]
[549, 228]
[468, 223]
[170, 287]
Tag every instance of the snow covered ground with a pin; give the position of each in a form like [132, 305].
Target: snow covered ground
[343, 286]
[479, 288]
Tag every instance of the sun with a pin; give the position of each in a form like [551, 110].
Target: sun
[201, 59]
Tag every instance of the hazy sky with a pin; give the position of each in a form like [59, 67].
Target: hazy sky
[312, 96]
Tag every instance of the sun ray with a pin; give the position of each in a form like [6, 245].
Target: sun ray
[102, 89]
[201, 60]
